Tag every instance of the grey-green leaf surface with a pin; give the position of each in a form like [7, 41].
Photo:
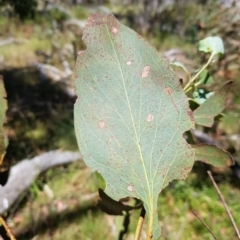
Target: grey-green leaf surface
[212, 45]
[212, 155]
[130, 115]
[3, 108]
[214, 105]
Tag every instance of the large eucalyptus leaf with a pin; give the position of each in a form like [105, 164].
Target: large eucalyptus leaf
[130, 115]
[3, 108]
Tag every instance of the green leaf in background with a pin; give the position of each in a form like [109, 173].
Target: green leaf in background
[205, 78]
[213, 106]
[3, 108]
[130, 115]
[212, 45]
[212, 155]
[180, 65]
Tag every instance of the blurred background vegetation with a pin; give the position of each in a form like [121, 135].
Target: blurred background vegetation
[39, 43]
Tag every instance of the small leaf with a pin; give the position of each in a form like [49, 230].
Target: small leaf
[205, 78]
[212, 45]
[200, 95]
[3, 108]
[178, 64]
[113, 207]
[230, 124]
[212, 155]
[130, 115]
[213, 106]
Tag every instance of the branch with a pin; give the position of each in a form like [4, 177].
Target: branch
[23, 174]
[204, 224]
[224, 204]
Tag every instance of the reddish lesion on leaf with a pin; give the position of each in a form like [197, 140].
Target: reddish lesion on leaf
[168, 90]
[190, 114]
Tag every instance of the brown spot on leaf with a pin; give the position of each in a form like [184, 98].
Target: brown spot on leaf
[145, 71]
[168, 90]
[190, 114]
[102, 124]
[129, 62]
[150, 118]
[187, 169]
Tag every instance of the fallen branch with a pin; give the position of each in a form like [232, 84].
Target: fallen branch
[23, 174]
[12, 40]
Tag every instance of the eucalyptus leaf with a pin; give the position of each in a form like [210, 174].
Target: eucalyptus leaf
[3, 108]
[212, 45]
[130, 115]
[212, 155]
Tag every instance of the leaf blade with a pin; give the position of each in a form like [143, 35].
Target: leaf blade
[213, 155]
[130, 112]
[212, 45]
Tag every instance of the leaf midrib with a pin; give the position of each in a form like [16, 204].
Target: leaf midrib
[135, 132]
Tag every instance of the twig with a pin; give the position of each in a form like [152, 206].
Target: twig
[224, 204]
[204, 224]
[187, 87]
[7, 228]
[140, 224]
